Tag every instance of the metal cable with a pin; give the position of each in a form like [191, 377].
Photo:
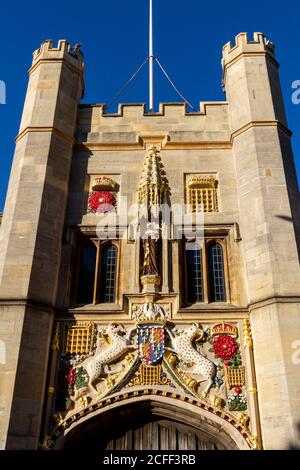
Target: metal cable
[173, 85]
[124, 87]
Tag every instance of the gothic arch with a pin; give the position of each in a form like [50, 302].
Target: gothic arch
[107, 423]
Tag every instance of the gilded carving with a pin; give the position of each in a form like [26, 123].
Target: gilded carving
[153, 186]
[247, 334]
[149, 375]
[202, 193]
[203, 361]
[182, 345]
[235, 376]
[78, 338]
[56, 337]
[118, 346]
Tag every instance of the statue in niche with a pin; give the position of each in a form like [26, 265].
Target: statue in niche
[150, 247]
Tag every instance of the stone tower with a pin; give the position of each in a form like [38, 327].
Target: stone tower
[31, 236]
[268, 190]
[190, 339]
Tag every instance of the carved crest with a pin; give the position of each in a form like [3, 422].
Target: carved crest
[150, 343]
[150, 333]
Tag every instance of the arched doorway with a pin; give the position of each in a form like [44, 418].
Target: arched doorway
[152, 423]
[162, 434]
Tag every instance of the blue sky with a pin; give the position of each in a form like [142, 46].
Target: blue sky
[189, 36]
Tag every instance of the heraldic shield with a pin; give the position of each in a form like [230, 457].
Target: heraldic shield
[150, 343]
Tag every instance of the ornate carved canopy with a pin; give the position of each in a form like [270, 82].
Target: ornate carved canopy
[153, 186]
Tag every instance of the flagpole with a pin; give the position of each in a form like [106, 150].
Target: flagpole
[151, 57]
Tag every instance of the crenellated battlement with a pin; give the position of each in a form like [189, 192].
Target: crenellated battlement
[170, 124]
[63, 51]
[243, 45]
[165, 109]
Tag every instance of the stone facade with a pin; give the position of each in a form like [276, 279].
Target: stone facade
[62, 148]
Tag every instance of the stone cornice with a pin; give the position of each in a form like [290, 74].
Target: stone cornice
[205, 311]
[252, 124]
[90, 146]
[197, 145]
[52, 130]
[73, 68]
[31, 303]
[250, 54]
[166, 142]
[278, 299]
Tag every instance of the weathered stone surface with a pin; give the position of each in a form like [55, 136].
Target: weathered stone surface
[244, 143]
[31, 237]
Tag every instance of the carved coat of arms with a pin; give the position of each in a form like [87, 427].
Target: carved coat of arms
[150, 333]
[150, 342]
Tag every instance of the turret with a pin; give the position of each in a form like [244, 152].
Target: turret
[268, 199]
[251, 81]
[31, 235]
[264, 164]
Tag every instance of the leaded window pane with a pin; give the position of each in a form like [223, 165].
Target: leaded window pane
[108, 274]
[217, 291]
[85, 288]
[194, 274]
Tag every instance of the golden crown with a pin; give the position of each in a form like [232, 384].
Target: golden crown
[224, 329]
[103, 183]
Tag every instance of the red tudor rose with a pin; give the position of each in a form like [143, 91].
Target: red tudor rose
[225, 347]
[101, 201]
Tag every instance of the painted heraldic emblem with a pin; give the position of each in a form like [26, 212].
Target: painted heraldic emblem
[150, 343]
[150, 332]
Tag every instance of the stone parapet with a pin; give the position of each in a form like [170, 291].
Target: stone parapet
[243, 45]
[63, 51]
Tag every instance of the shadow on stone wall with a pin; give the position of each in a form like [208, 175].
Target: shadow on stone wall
[296, 446]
